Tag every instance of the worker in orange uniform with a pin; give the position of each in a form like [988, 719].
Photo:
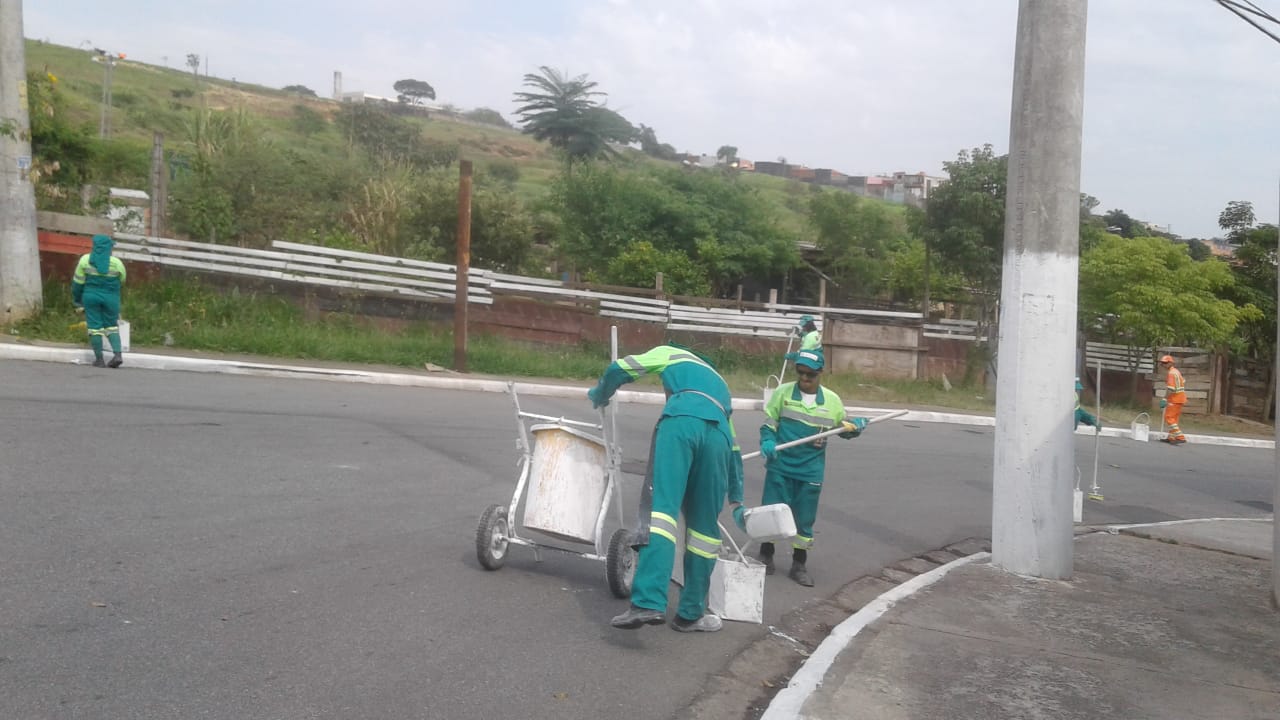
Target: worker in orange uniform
[1175, 397]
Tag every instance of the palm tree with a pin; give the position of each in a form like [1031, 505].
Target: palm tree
[563, 112]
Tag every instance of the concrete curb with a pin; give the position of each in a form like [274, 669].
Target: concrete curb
[787, 704]
[83, 356]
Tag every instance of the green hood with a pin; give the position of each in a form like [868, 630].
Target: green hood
[100, 256]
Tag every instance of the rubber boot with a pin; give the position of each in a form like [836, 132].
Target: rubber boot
[798, 571]
[766, 557]
[634, 617]
[95, 342]
[116, 361]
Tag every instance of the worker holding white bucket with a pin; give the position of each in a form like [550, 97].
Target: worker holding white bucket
[694, 461]
[795, 411]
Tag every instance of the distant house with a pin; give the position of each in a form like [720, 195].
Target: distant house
[825, 176]
[913, 188]
[746, 165]
[802, 174]
[360, 96]
[780, 169]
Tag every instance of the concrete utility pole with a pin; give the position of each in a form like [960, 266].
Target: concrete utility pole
[463, 268]
[1275, 497]
[159, 186]
[20, 295]
[1034, 456]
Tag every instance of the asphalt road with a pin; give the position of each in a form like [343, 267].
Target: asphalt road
[180, 545]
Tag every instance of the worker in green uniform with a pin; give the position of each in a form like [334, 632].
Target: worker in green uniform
[693, 462]
[1082, 415]
[797, 410]
[95, 291]
[807, 329]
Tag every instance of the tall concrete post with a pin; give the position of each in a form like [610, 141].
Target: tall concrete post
[1034, 455]
[1275, 499]
[463, 267]
[20, 295]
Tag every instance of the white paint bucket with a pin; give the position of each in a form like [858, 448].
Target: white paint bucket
[123, 326]
[567, 483]
[737, 586]
[768, 523]
[1141, 430]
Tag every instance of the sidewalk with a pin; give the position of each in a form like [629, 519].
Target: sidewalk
[1159, 621]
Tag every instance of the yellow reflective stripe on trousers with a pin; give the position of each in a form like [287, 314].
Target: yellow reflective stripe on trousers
[802, 543]
[703, 545]
[664, 525]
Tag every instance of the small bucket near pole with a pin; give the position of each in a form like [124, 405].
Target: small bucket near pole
[1141, 430]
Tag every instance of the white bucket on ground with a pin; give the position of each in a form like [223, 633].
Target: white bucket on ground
[123, 326]
[567, 483]
[768, 523]
[1141, 430]
[737, 587]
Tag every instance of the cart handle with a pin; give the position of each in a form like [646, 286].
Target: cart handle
[561, 419]
[729, 536]
[828, 433]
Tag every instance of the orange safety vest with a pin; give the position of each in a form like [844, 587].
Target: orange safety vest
[1176, 387]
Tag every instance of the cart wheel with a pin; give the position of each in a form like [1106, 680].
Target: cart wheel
[491, 537]
[620, 565]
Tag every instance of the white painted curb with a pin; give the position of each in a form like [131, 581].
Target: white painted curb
[83, 356]
[786, 705]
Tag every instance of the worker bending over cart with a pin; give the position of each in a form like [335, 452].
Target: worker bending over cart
[694, 460]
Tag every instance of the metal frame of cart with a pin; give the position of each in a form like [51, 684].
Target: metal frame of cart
[497, 530]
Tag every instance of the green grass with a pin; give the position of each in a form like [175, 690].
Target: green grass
[202, 318]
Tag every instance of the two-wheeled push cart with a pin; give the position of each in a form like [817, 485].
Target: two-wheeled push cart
[568, 477]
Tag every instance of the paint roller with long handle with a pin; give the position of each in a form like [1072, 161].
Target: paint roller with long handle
[828, 433]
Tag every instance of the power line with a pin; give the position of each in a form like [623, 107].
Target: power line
[1243, 12]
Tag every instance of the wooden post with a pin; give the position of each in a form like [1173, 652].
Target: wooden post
[463, 269]
[773, 296]
[822, 292]
[657, 284]
[739, 296]
[159, 186]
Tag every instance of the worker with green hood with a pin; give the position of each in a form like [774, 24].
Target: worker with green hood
[95, 290]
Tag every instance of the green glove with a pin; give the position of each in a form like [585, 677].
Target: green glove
[853, 427]
[1163, 403]
[740, 516]
[768, 448]
[596, 401]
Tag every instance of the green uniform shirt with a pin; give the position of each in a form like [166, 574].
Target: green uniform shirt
[788, 418]
[811, 341]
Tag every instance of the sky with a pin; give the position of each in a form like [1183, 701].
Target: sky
[1182, 98]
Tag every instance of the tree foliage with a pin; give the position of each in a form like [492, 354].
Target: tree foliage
[413, 92]
[487, 116]
[563, 111]
[855, 239]
[1236, 219]
[727, 154]
[1157, 295]
[965, 217]
[720, 225]
[388, 137]
[649, 144]
[300, 90]
[1119, 222]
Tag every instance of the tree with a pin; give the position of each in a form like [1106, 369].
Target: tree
[650, 146]
[1198, 250]
[1119, 222]
[1152, 293]
[412, 92]
[854, 238]
[193, 62]
[964, 220]
[727, 154]
[300, 90]
[1236, 218]
[563, 112]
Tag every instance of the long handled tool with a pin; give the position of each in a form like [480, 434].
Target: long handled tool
[828, 433]
[1095, 492]
[791, 337]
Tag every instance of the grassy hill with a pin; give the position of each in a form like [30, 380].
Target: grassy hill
[150, 98]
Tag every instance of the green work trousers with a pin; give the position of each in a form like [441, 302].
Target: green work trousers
[689, 467]
[102, 318]
[801, 495]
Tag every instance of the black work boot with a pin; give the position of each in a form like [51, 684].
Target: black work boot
[97, 362]
[800, 574]
[766, 557]
[634, 617]
[116, 361]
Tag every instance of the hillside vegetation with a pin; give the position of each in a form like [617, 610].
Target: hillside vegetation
[251, 164]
